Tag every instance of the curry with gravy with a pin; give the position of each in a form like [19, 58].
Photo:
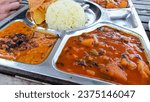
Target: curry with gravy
[19, 42]
[112, 3]
[106, 54]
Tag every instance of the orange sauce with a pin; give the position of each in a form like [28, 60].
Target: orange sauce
[110, 4]
[106, 54]
[43, 44]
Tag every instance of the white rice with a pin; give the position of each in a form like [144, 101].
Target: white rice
[65, 15]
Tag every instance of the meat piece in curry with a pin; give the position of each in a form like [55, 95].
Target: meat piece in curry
[106, 54]
[20, 43]
[112, 3]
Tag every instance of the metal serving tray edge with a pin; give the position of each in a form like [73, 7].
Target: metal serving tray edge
[48, 68]
[92, 80]
[9, 19]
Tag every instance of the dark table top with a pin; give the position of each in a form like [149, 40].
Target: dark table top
[143, 9]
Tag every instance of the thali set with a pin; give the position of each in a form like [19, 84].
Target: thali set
[111, 48]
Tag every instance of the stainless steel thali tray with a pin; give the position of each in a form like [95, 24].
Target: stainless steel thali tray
[125, 19]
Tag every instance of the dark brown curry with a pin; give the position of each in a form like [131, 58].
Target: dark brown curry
[106, 54]
[20, 43]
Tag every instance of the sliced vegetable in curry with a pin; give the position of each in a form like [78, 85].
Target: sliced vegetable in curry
[106, 54]
[20, 43]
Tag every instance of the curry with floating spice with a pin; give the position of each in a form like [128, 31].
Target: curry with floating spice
[112, 3]
[19, 42]
[106, 54]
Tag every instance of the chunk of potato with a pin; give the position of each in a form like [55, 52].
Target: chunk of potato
[113, 70]
[123, 4]
[128, 63]
[111, 5]
[90, 72]
[87, 42]
[143, 69]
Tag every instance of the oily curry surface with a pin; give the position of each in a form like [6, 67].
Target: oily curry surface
[20, 43]
[112, 3]
[106, 54]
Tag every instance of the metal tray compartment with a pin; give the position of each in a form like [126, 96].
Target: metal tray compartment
[85, 79]
[128, 22]
[126, 17]
[92, 11]
[37, 29]
[122, 17]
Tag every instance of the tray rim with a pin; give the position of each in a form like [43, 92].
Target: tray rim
[65, 39]
[45, 69]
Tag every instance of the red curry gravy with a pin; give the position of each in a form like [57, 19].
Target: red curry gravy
[19, 42]
[112, 3]
[106, 54]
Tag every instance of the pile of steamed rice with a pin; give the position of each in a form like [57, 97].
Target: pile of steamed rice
[65, 15]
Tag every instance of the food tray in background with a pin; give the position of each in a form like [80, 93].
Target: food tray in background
[125, 19]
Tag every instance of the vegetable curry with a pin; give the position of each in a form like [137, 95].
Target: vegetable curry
[112, 3]
[106, 54]
[20, 43]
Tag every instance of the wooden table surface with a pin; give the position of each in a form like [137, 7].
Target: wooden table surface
[143, 9]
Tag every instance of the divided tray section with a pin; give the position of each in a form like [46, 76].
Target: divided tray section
[93, 14]
[123, 19]
[26, 45]
[86, 76]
